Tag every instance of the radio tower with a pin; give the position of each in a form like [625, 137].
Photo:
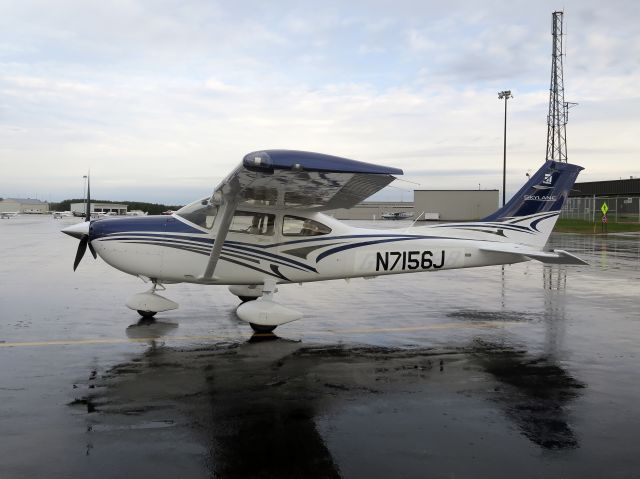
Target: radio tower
[558, 108]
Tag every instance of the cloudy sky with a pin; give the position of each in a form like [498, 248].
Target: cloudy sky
[161, 99]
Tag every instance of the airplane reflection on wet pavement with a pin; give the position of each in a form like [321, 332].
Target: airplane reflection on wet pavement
[255, 406]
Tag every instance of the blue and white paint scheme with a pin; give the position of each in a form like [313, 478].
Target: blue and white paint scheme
[264, 226]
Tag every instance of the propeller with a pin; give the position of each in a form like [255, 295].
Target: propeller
[84, 232]
[82, 248]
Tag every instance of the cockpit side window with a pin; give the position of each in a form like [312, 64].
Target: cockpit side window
[253, 223]
[201, 213]
[298, 226]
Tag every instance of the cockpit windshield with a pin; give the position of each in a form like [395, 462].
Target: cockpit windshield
[201, 213]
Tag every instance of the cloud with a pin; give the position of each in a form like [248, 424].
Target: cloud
[151, 94]
[418, 42]
[215, 85]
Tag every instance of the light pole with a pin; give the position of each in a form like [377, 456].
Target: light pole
[506, 95]
[84, 192]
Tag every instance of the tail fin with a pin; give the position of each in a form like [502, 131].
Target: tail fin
[536, 206]
[545, 191]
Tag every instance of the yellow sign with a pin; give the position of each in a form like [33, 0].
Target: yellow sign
[604, 208]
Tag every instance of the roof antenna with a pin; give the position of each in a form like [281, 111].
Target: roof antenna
[414, 222]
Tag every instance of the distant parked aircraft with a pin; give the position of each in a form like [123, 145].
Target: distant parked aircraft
[402, 215]
[62, 214]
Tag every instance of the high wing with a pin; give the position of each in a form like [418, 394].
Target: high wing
[292, 179]
[303, 180]
[557, 256]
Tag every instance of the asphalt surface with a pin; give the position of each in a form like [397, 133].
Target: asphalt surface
[522, 371]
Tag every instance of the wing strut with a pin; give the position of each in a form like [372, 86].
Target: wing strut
[228, 209]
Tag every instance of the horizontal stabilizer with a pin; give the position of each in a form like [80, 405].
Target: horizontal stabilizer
[557, 256]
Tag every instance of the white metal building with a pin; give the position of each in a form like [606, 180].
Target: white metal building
[445, 205]
[455, 205]
[23, 205]
[80, 208]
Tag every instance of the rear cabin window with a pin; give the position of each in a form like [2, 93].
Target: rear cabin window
[253, 223]
[297, 226]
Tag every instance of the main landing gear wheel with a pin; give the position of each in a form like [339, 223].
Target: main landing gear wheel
[244, 299]
[264, 314]
[147, 314]
[258, 328]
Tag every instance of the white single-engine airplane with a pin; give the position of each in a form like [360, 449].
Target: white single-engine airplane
[263, 226]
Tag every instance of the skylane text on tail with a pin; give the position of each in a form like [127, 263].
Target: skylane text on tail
[263, 226]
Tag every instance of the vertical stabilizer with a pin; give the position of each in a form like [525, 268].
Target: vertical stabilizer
[545, 191]
[536, 206]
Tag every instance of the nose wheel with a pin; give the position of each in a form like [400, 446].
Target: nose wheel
[149, 303]
[259, 328]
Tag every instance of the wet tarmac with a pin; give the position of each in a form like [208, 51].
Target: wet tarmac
[521, 371]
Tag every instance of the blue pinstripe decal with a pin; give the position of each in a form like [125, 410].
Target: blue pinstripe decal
[250, 250]
[280, 275]
[272, 255]
[341, 237]
[154, 239]
[534, 224]
[357, 245]
[224, 257]
[160, 235]
[185, 248]
[206, 250]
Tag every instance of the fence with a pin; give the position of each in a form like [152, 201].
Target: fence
[621, 209]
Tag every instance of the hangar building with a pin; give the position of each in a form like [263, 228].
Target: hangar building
[455, 205]
[80, 208]
[447, 205]
[621, 196]
[627, 187]
[23, 205]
